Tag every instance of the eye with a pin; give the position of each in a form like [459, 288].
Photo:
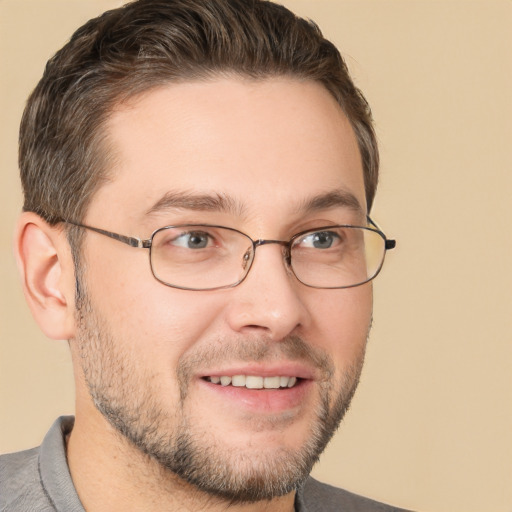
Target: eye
[319, 240]
[193, 240]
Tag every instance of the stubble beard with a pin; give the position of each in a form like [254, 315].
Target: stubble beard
[124, 395]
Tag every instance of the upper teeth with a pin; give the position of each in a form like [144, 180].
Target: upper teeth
[254, 381]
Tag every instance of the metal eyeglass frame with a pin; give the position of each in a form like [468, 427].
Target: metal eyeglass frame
[147, 244]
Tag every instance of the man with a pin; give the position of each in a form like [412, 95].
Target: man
[197, 180]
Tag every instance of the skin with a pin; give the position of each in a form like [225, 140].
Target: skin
[271, 146]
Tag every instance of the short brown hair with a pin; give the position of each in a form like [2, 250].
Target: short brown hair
[148, 43]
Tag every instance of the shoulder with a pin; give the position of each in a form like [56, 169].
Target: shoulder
[20, 483]
[319, 497]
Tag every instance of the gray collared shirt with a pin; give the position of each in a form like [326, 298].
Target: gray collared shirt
[38, 480]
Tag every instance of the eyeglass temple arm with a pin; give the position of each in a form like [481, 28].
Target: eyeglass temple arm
[146, 244]
[129, 240]
[390, 244]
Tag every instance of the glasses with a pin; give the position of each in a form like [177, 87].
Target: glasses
[209, 257]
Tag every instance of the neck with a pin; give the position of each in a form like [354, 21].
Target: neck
[111, 474]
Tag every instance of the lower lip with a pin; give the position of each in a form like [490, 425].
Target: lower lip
[265, 401]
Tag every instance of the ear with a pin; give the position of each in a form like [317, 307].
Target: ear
[46, 266]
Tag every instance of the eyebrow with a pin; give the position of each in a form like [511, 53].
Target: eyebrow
[198, 202]
[333, 199]
[227, 204]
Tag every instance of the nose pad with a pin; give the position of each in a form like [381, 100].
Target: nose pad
[247, 258]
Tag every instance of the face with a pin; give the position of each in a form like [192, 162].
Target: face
[269, 158]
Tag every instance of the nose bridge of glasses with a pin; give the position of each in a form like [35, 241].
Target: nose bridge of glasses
[267, 242]
[282, 243]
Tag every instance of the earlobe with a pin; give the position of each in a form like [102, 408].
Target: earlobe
[46, 267]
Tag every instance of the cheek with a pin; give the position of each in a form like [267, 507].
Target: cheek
[155, 322]
[342, 319]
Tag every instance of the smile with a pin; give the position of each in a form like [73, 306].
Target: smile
[253, 381]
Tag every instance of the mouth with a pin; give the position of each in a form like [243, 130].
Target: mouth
[254, 381]
[262, 389]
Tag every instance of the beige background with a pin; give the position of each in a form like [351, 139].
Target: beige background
[431, 425]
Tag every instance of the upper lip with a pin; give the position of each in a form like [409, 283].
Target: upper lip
[283, 369]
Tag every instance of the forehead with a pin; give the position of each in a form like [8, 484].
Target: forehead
[266, 142]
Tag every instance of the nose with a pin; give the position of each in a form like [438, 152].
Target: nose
[270, 301]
